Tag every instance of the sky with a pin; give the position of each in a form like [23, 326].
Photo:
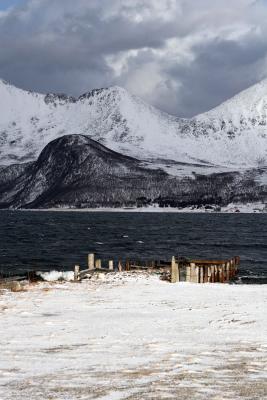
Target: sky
[5, 4]
[182, 56]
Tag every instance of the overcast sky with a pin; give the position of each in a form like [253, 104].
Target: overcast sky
[183, 56]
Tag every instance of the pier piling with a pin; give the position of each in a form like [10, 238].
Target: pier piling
[174, 271]
[91, 261]
[76, 272]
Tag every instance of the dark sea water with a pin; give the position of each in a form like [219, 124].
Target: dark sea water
[44, 241]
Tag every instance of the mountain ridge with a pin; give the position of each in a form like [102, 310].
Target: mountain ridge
[229, 136]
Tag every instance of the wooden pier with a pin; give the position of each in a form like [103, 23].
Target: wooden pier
[176, 270]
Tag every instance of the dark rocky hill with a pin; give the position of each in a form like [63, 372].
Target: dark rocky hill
[75, 171]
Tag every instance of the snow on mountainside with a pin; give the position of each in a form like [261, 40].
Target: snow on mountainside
[243, 119]
[232, 135]
[28, 121]
[75, 171]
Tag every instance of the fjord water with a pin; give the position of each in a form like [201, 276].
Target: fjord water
[47, 240]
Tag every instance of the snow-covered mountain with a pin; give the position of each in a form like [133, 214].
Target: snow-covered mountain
[75, 171]
[232, 136]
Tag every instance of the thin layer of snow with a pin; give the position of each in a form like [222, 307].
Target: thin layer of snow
[232, 136]
[246, 208]
[133, 337]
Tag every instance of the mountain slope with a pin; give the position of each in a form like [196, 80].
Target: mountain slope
[232, 136]
[75, 171]
[72, 170]
[29, 121]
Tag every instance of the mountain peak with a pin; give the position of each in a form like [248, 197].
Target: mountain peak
[115, 90]
[252, 100]
[126, 124]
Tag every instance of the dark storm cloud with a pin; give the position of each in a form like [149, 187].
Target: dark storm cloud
[50, 48]
[221, 69]
[182, 58]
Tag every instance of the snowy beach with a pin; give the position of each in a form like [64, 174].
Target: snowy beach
[133, 337]
[247, 208]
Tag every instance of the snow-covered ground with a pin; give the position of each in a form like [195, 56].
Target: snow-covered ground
[133, 338]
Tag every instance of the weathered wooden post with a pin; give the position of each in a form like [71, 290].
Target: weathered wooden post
[228, 271]
[98, 263]
[174, 271]
[76, 272]
[233, 267]
[201, 274]
[206, 274]
[127, 265]
[110, 265]
[188, 273]
[119, 266]
[214, 273]
[210, 273]
[91, 261]
[236, 263]
[194, 273]
[220, 273]
[225, 272]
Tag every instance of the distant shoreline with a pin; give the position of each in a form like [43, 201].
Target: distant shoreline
[230, 209]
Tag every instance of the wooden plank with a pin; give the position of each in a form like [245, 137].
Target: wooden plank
[208, 262]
